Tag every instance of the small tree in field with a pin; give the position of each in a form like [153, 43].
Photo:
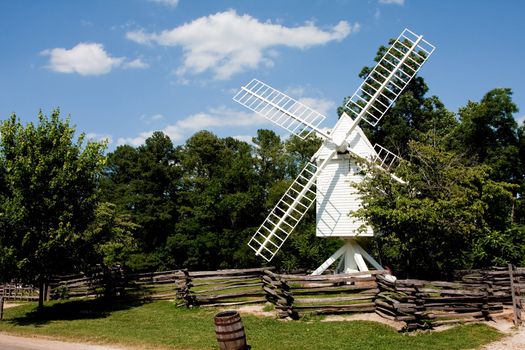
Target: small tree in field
[48, 185]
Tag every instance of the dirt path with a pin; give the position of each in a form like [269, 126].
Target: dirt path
[514, 341]
[19, 343]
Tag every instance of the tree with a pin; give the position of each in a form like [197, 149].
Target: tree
[489, 134]
[220, 200]
[48, 195]
[110, 237]
[440, 220]
[142, 182]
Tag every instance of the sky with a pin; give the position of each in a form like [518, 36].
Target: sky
[123, 69]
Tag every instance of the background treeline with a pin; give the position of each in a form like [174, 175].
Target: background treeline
[65, 205]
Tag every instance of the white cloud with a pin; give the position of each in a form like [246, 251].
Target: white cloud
[84, 59]
[169, 3]
[245, 138]
[92, 136]
[227, 43]
[321, 105]
[86, 23]
[520, 120]
[148, 119]
[394, 2]
[220, 117]
[134, 141]
[136, 64]
[223, 117]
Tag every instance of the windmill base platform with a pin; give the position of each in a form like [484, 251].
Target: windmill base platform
[352, 258]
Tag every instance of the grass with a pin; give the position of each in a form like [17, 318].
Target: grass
[161, 325]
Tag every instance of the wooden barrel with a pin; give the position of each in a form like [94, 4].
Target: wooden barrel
[230, 331]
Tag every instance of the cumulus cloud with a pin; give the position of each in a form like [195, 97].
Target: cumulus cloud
[84, 59]
[393, 2]
[245, 138]
[148, 119]
[226, 43]
[168, 3]
[220, 117]
[224, 117]
[92, 136]
[134, 141]
[87, 59]
[136, 64]
[321, 105]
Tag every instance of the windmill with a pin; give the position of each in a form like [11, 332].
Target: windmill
[327, 179]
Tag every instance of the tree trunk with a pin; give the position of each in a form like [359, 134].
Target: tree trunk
[41, 293]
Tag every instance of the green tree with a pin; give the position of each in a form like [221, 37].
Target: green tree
[142, 182]
[489, 134]
[440, 220]
[48, 195]
[220, 201]
[110, 237]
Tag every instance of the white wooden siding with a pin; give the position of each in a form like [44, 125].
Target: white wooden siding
[336, 198]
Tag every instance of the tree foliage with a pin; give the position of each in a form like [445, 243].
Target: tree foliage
[440, 219]
[48, 196]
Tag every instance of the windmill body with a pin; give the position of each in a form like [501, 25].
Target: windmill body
[336, 194]
[330, 177]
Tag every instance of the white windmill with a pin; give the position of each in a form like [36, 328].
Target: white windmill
[336, 165]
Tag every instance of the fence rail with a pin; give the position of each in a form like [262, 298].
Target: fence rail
[475, 295]
[18, 292]
[221, 288]
[295, 296]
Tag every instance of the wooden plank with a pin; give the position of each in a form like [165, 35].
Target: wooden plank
[356, 275]
[516, 317]
[228, 272]
[226, 296]
[333, 300]
[333, 290]
[350, 307]
[199, 283]
[464, 292]
[219, 289]
[246, 302]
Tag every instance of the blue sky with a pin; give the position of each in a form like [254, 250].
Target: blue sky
[125, 68]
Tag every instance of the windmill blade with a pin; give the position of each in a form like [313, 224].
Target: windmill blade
[390, 76]
[288, 212]
[385, 159]
[281, 109]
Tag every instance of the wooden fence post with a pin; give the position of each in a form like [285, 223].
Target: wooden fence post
[516, 301]
[1, 308]
[184, 292]
[278, 293]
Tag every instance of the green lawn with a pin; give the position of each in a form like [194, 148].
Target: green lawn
[162, 325]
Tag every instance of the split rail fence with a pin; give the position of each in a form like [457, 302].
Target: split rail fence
[221, 288]
[428, 304]
[476, 295]
[295, 296]
[18, 292]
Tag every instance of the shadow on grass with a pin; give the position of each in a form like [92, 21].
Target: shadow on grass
[74, 310]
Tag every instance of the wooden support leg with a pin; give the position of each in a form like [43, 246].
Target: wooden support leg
[328, 262]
